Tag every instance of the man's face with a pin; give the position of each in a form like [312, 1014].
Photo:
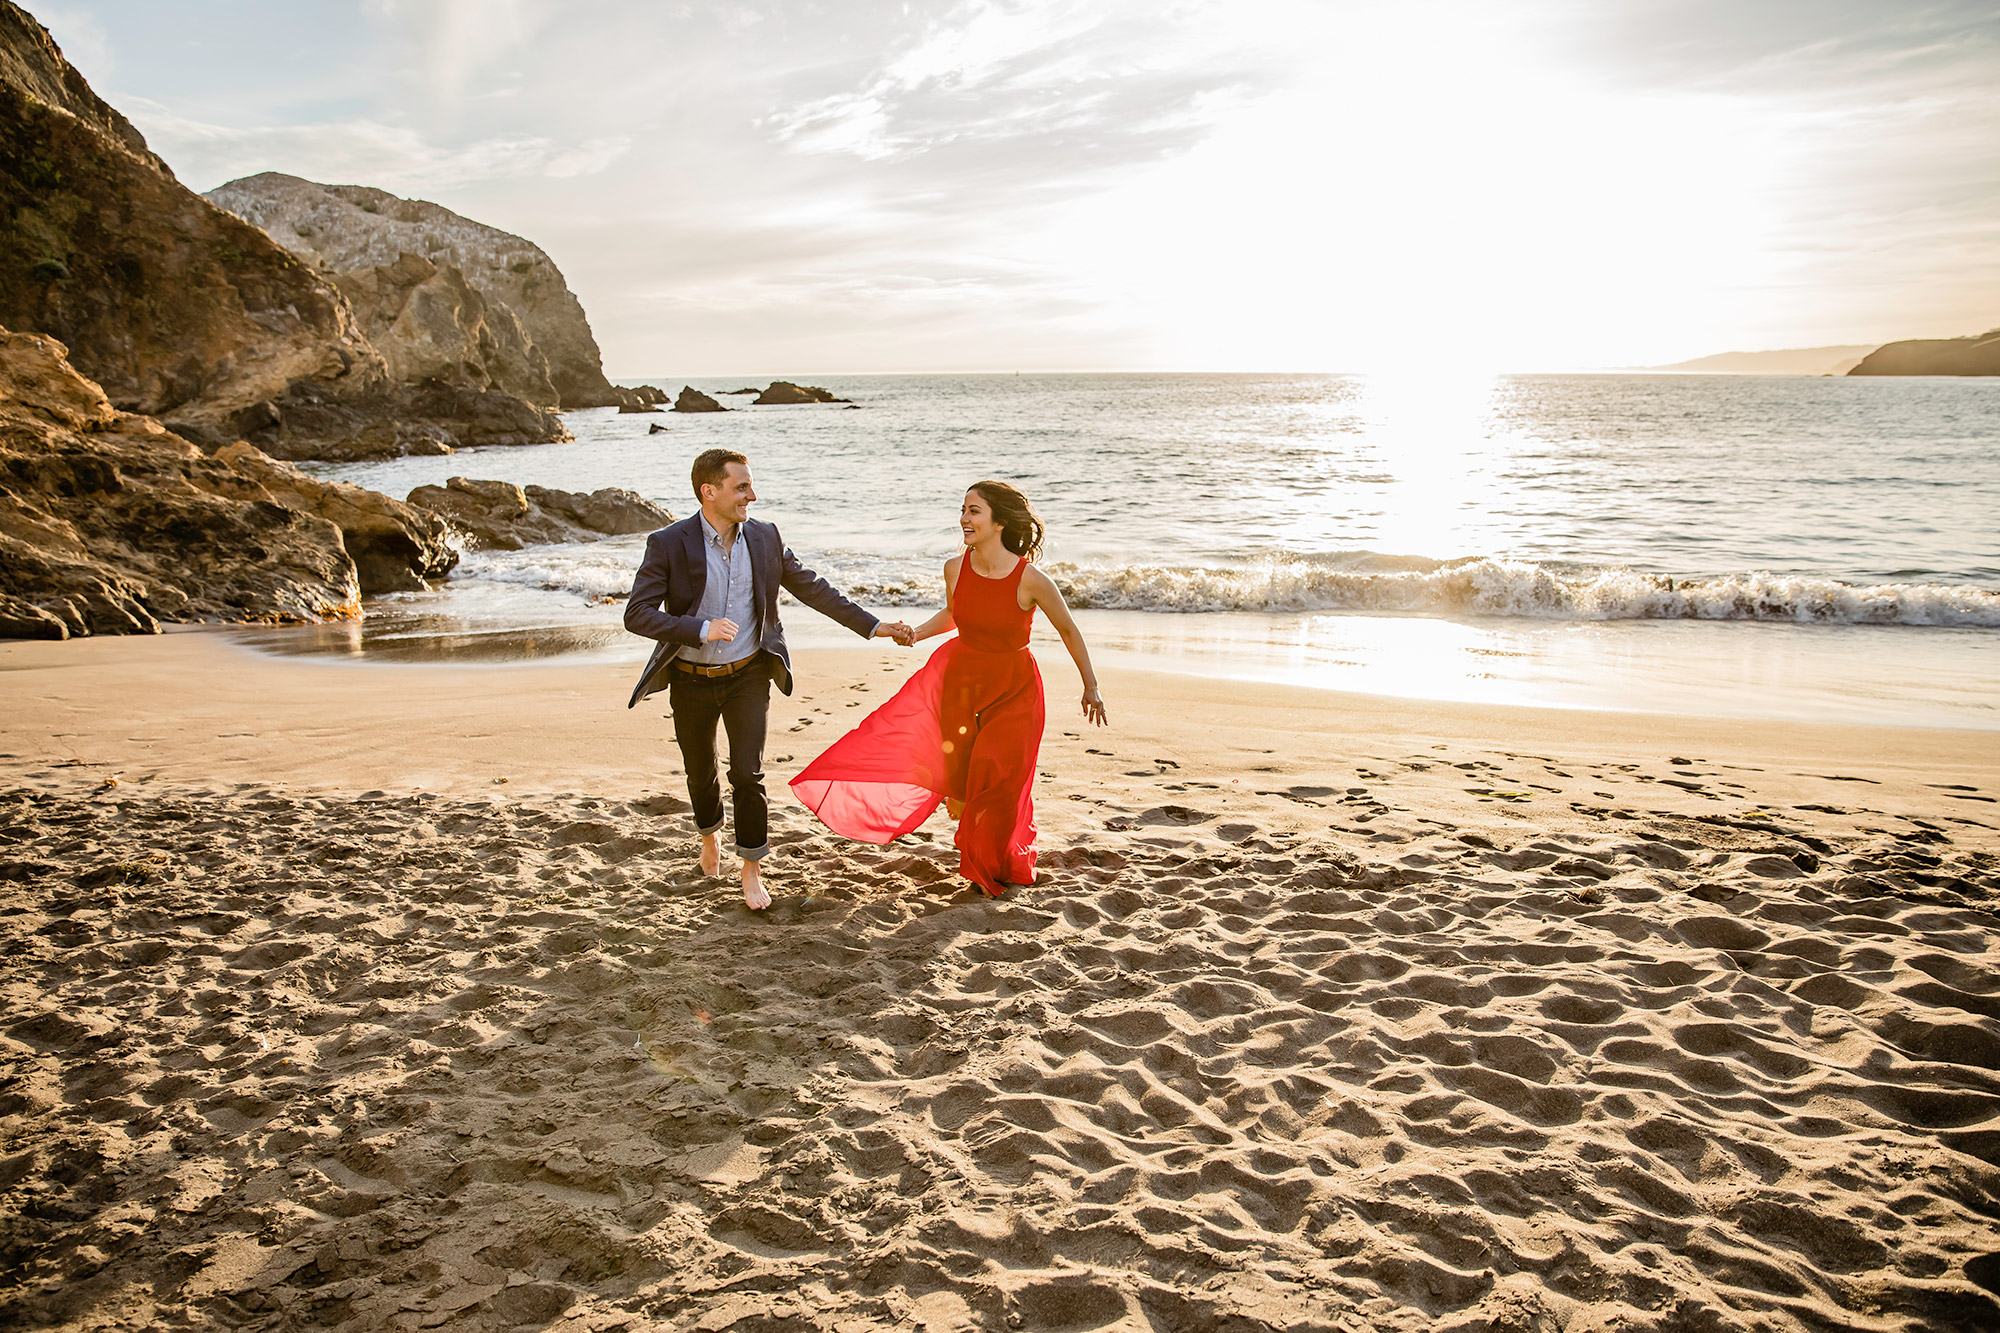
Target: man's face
[732, 499]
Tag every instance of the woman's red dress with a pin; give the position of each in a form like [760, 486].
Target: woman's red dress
[967, 725]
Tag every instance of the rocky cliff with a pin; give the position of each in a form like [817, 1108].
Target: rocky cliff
[181, 310]
[392, 256]
[1977, 355]
[429, 323]
[111, 523]
[31, 62]
[164, 300]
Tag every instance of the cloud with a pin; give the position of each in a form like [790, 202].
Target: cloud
[1111, 183]
[1081, 87]
[1824, 46]
[459, 41]
[856, 123]
[392, 157]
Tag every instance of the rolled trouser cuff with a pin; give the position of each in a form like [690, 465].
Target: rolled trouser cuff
[716, 827]
[755, 853]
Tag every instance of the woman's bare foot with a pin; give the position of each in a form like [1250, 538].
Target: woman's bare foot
[754, 896]
[711, 854]
[953, 807]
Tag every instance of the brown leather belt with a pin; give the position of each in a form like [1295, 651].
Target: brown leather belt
[681, 664]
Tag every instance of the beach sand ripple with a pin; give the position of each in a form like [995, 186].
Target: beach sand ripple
[277, 1060]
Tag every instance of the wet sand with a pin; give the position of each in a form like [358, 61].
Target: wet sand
[386, 997]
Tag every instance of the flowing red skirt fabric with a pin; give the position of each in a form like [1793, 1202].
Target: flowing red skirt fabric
[967, 725]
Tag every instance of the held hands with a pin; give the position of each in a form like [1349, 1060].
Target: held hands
[897, 630]
[1093, 707]
[720, 629]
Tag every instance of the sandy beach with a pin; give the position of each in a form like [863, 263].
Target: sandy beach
[371, 997]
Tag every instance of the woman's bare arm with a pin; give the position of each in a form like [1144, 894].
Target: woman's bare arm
[942, 621]
[1042, 592]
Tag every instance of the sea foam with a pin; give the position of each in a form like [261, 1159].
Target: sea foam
[1509, 588]
[1360, 582]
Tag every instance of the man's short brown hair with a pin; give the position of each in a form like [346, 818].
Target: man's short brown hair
[711, 468]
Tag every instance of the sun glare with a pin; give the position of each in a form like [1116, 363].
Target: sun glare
[1433, 432]
[1424, 198]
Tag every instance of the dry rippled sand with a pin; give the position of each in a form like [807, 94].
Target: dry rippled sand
[285, 1060]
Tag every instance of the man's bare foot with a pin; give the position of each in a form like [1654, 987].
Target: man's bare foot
[711, 854]
[754, 896]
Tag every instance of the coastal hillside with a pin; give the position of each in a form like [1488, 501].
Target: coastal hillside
[183, 311]
[439, 293]
[1975, 355]
[1783, 361]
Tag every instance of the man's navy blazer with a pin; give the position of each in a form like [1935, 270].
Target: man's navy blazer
[667, 592]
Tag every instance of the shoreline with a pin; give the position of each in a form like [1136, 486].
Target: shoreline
[286, 716]
[1929, 677]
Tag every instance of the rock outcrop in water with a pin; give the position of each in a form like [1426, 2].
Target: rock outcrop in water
[785, 393]
[503, 516]
[312, 422]
[1976, 355]
[694, 400]
[110, 523]
[183, 311]
[403, 262]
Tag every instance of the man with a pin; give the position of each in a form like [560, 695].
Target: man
[707, 591]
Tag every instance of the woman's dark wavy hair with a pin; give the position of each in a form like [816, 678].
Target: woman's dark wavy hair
[1020, 531]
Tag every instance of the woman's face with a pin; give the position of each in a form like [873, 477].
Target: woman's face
[975, 519]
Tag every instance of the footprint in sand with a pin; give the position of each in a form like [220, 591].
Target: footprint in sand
[1176, 815]
[1229, 1059]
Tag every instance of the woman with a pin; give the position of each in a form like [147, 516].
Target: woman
[966, 729]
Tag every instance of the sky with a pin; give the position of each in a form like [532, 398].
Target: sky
[798, 186]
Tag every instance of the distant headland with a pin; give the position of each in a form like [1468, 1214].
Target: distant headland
[1976, 355]
[1787, 361]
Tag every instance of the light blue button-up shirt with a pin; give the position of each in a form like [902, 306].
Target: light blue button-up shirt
[728, 595]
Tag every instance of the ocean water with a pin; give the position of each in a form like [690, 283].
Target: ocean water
[1750, 546]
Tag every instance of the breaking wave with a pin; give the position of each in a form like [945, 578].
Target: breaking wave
[1349, 581]
[593, 571]
[1488, 587]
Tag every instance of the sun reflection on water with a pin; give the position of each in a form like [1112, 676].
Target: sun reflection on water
[1435, 433]
[1866, 674]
